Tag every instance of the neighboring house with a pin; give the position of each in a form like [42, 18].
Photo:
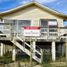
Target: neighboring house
[41, 26]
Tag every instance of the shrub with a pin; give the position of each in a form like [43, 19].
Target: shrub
[6, 58]
[46, 57]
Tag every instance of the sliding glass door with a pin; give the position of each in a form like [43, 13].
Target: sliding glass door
[21, 24]
[49, 26]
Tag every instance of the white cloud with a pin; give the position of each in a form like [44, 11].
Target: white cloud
[46, 1]
[59, 2]
[40, 1]
[24, 1]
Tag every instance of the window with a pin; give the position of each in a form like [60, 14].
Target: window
[52, 23]
[65, 23]
[53, 34]
[52, 29]
[24, 23]
[48, 23]
[21, 24]
[1, 27]
[18, 25]
[43, 29]
[44, 23]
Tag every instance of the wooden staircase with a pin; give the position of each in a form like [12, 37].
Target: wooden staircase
[37, 55]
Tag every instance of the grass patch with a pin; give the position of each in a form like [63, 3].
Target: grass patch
[7, 58]
[24, 58]
[52, 65]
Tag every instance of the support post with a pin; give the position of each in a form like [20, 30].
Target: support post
[14, 51]
[42, 55]
[53, 51]
[66, 51]
[31, 54]
[17, 28]
[34, 47]
[2, 49]
[13, 54]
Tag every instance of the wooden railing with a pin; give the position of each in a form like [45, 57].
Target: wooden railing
[46, 33]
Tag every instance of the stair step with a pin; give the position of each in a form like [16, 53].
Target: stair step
[27, 51]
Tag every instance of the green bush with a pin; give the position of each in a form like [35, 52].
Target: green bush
[8, 54]
[46, 57]
[6, 58]
[23, 58]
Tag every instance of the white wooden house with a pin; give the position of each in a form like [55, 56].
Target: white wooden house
[34, 23]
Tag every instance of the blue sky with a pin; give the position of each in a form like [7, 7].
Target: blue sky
[58, 5]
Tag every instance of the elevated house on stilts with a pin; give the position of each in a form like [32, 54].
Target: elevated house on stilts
[33, 26]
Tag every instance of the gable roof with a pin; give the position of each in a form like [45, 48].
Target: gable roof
[33, 4]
